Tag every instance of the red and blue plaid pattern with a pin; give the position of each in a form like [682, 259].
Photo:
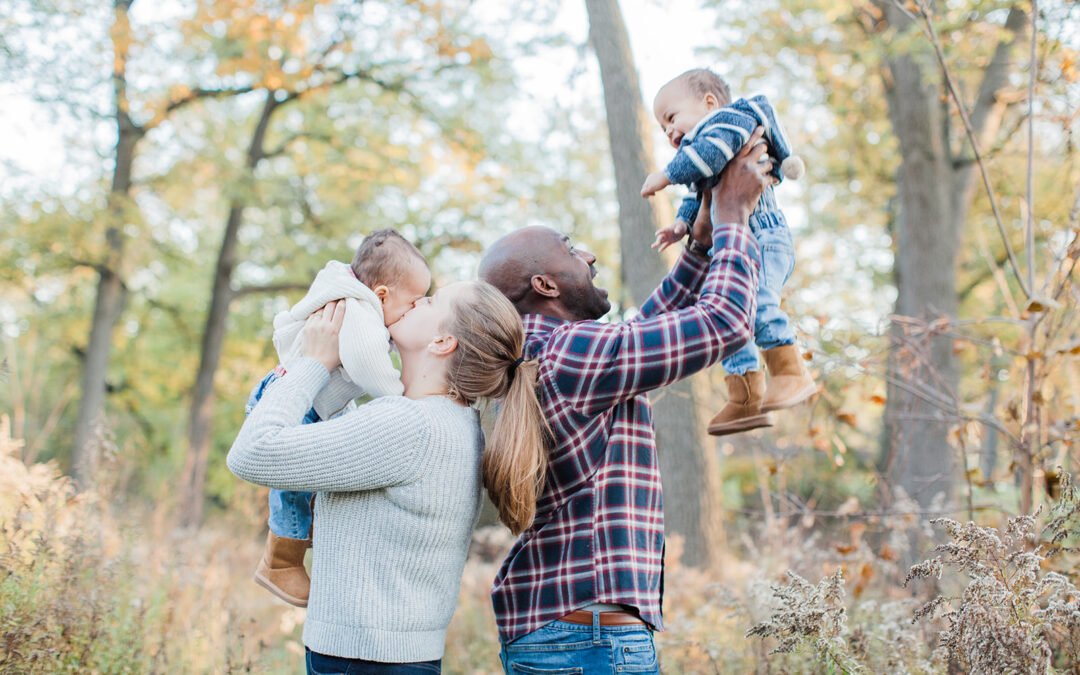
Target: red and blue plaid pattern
[599, 529]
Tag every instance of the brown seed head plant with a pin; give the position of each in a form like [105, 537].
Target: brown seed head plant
[1016, 613]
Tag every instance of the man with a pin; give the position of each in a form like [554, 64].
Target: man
[582, 586]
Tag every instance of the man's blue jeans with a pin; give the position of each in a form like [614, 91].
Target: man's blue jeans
[290, 512]
[562, 648]
[772, 327]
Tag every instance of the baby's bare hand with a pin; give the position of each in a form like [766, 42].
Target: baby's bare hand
[669, 235]
[654, 183]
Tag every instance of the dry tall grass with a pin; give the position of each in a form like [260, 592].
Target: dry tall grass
[89, 586]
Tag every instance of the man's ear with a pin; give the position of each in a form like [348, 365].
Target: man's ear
[443, 345]
[544, 286]
[382, 292]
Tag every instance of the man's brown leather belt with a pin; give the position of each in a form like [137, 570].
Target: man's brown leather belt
[584, 617]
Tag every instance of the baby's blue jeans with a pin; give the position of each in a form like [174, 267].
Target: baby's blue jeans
[772, 328]
[290, 512]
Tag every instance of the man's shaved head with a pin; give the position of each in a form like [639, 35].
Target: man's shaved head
[541, 272]
[513, 260]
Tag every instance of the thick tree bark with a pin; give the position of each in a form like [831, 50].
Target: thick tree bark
[926, 243]
[111, 291]
[935, 194]
[691, 496]
[108, 305]
[200, 419]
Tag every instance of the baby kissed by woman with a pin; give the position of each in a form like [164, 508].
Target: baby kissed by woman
[387, 276]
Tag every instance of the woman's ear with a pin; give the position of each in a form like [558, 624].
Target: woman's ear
[443, 345]
[382, 292]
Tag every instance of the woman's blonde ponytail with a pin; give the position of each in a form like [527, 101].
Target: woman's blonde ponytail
[487, 365]
[515, 459]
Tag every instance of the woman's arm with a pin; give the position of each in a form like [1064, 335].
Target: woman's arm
[372, 447]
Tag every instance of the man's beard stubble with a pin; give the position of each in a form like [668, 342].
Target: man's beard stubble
[587, 303]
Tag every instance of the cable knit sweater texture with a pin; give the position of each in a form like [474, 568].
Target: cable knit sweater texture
[398, 483]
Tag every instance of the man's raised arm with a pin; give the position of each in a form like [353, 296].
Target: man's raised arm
[683, 283]
[600, 365]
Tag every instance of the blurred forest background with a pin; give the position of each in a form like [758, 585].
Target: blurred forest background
[174, 173]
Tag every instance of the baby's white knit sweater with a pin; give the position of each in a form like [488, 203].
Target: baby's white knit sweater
[364, 343]
[398, 483]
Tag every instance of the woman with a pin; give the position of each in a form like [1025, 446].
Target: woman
[398, 479]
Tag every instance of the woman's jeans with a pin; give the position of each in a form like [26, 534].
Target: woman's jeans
[562, 648]
[321, 664]
[290, 512]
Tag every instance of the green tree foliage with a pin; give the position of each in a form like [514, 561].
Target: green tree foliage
[390, 114]
[826, 65]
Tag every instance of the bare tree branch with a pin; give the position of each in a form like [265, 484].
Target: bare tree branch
[1030, 225]
[283, 287]
[931, 33]
[190, 97]
[281, 147]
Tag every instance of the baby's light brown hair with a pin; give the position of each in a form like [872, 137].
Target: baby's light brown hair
[703, 81]
[380, 258]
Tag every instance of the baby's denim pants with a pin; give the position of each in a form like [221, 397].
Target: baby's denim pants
[290, 512]
[772, 328]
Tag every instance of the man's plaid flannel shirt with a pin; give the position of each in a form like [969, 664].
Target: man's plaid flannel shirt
[599, 529]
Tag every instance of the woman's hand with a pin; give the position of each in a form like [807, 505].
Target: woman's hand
[321, 335]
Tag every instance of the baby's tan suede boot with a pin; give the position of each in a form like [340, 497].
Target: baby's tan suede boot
[789, 381]
[743, 409]
[281, 569]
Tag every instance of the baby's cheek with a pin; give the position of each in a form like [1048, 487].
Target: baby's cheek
[394, 315]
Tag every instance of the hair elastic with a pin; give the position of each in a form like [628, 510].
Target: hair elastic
[516, 363]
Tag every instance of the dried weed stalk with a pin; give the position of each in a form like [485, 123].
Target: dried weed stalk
[1015, 614]
[806, 614]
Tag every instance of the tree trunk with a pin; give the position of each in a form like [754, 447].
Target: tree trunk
[691, 504]
[927, 239]
[935, 193]
[111, 290]
[108, 305]
[200, 420]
